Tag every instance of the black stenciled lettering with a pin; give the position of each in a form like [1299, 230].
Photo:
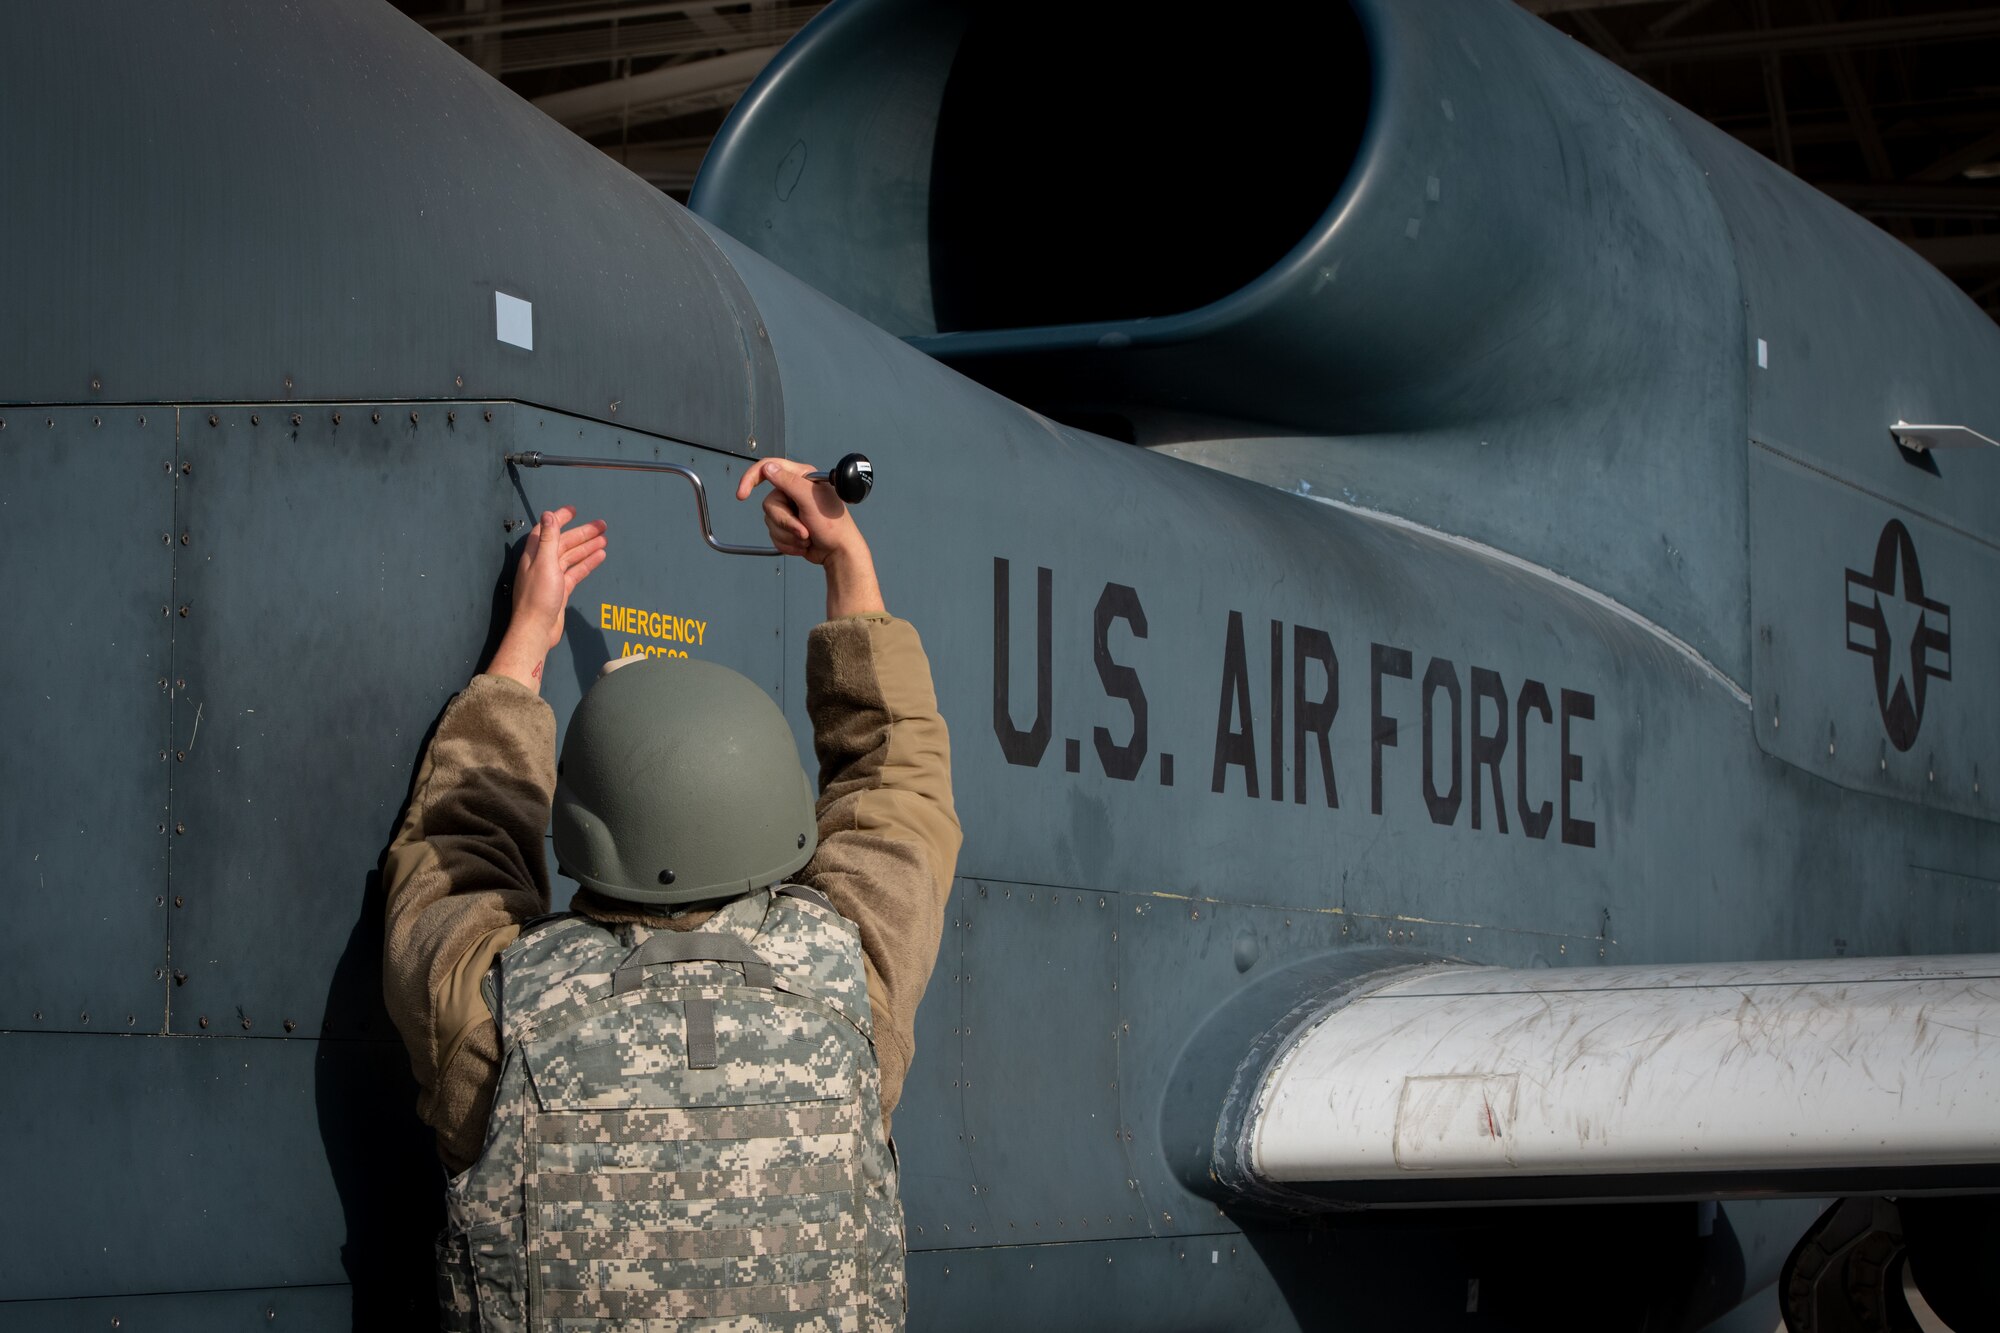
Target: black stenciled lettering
[1534, 819]
[1234, 745]
[1023, 747]
[1441, 675]
[1489, 750]
[1382, 661]
[1313, 716]
[1118, 602]
[1277, 710]
[1583, 707]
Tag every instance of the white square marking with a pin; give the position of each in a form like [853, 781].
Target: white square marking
[1763, 355]
[514, 320]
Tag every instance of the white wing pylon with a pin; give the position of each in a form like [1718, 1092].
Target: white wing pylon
[1450, 1082]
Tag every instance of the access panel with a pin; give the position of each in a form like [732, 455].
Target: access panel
[1875, 644]
[87, 536]
[346, 572]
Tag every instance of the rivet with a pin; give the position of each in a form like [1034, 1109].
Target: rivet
[187, 469]
[97, 421]
[451, 418]
[458, 380]
[184, 539]
[291, 1026]
[246, 1025]
[336, 418]
[802, 839]
[3, 425]
[256, 419]
[489, 416]
[86, 1018]
[177, 900]
[184, 612]
[96, 383]
[130, 1019]
[51, 423]
[179, 828]
[666, 877]
[180, 977]
[214, 420]
[166, 539]
[413, 418]
[180, 683]
[38, 1015]
[203, 1020]
[288, 381]
[297, 419]
[181, 755]
[375, 417]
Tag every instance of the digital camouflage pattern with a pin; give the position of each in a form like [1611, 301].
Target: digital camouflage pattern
[623, 1186]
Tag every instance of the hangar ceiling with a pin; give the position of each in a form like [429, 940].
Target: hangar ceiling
[1891, 106]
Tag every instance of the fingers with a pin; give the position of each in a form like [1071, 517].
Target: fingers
[577, 554]
[790, 481]
[578, 535]
[579, 571]
[534, 542]
[782, 520]
[771, 470]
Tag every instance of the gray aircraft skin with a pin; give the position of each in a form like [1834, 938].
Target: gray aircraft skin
[1486, 568]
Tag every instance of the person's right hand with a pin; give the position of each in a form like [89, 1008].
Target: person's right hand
[804, 518]
[807, 519]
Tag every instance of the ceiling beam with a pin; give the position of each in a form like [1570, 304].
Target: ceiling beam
[1907, 199]
[657, 94]
[1959, 253]
[1847, 81]
[712, 34]
[1774, 95]
[1676, 16]
[452, 27]
[1571, 6]
[1983, 149]
[1945, 27]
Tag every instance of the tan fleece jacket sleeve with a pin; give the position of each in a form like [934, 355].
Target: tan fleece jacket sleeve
[888, 833]
[464, 871]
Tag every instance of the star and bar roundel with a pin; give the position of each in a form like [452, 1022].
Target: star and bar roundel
[1906, 635]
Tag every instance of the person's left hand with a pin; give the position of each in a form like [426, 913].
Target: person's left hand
[552, 563]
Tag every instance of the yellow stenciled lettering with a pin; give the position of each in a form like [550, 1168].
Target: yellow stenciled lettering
[662, 625]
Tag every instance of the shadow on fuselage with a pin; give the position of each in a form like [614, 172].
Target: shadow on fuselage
[1613, 1268]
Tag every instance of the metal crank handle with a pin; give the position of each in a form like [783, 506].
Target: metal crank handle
[851, 474]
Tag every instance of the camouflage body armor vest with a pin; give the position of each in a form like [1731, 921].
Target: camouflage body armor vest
[686, 1133]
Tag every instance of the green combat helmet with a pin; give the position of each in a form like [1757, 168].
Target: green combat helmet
[680, 781]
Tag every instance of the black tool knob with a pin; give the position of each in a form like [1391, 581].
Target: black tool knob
[852, 478]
